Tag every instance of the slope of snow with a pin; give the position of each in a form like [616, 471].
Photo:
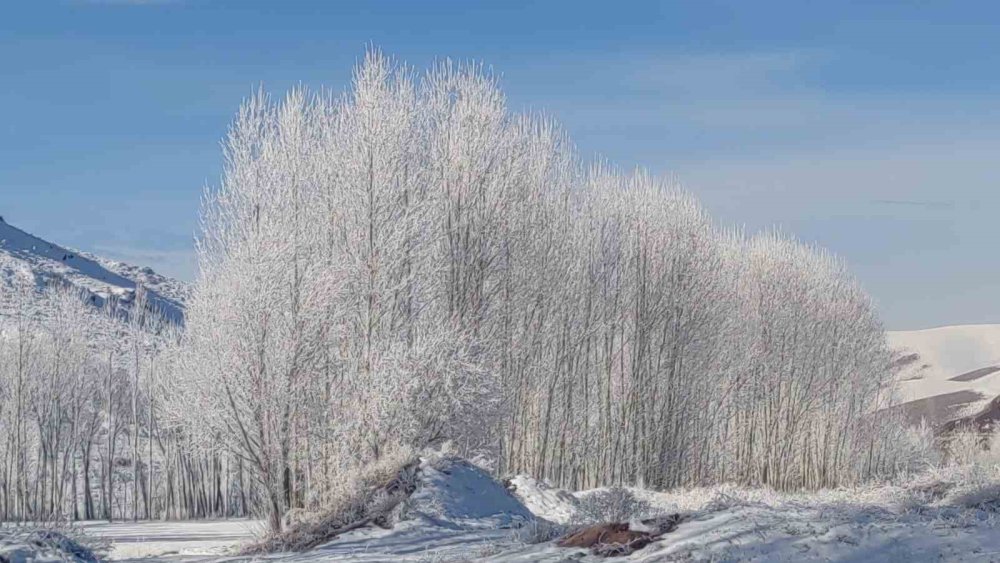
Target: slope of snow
[166, 287]
[543, 500]
[457, 494]
[101, 279]
[947, 372]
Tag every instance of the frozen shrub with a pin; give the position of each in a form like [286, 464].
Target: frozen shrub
[970, 447]
[984, 496]
[916, 449]
[725, 498]
[615, 504]
[538, 531]
[965, 474]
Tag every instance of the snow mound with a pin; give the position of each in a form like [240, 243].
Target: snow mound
[544, 500]
[455, 493]
[458, 512]
[42, 546]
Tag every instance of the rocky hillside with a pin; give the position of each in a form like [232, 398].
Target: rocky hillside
[98, 277]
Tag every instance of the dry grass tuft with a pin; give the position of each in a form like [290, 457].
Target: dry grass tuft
[373, 497]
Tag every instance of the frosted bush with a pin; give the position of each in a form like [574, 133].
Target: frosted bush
[615, 504]
[538, 531]
[972, 448]
[916, 449]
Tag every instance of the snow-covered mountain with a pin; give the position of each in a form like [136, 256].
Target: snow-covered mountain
[947, 373]
[99, 277]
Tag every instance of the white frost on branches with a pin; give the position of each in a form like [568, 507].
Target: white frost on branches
[412, 262]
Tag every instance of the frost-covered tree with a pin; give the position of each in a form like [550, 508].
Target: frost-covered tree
[79, 408]
[411, 262]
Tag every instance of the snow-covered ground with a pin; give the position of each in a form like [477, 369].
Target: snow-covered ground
[460, 514]
[99, 277]
[887, 523]
[947, 372]
[804, 533]
[184, 540]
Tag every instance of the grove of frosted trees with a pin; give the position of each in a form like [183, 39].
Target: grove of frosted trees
[82, 432]
[412, 264]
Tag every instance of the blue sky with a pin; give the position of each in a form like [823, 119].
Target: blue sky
[871, 128]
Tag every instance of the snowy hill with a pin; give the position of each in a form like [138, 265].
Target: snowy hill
[949, 372]
[98, 277]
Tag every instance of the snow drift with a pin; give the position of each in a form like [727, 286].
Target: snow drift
[29, 545]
